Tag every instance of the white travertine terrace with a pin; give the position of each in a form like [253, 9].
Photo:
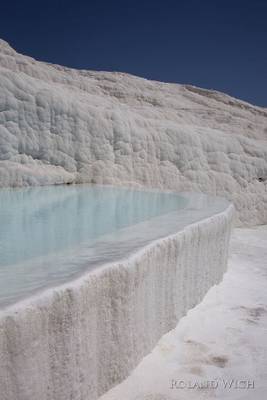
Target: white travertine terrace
[77, 340]
[61, 125]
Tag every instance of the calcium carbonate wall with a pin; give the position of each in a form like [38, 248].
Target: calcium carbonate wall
[61, 125]
[77, 341]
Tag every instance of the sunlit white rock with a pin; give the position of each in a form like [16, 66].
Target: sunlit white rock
[79, 339]
[62, 125]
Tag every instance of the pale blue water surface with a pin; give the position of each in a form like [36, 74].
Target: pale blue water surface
[41, 221]
[49, 234]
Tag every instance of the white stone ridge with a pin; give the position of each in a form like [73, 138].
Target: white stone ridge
[61, 125]
[78, 340]
[221, 340]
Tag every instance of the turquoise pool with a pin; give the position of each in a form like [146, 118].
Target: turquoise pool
[44, 230]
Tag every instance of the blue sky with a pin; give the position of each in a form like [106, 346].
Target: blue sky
[213, 44]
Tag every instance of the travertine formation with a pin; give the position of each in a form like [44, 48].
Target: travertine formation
[80, 339]
[59, 125]
[62, 125]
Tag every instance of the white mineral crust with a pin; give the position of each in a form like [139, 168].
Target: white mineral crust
[78, 340]
[61, 125]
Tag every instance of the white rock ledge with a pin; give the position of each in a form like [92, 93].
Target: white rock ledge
[78, 340]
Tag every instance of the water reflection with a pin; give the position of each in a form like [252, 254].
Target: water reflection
[39, 221]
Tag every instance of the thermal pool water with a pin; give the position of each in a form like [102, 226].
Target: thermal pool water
[91, 278]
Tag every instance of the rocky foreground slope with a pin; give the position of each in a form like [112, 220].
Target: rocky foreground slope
[60, 125]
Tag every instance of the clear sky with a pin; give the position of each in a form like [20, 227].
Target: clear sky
[209, 43]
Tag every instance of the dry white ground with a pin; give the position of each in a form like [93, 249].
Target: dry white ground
[219, 349]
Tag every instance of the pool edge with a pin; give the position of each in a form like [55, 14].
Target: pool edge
[83, 324]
